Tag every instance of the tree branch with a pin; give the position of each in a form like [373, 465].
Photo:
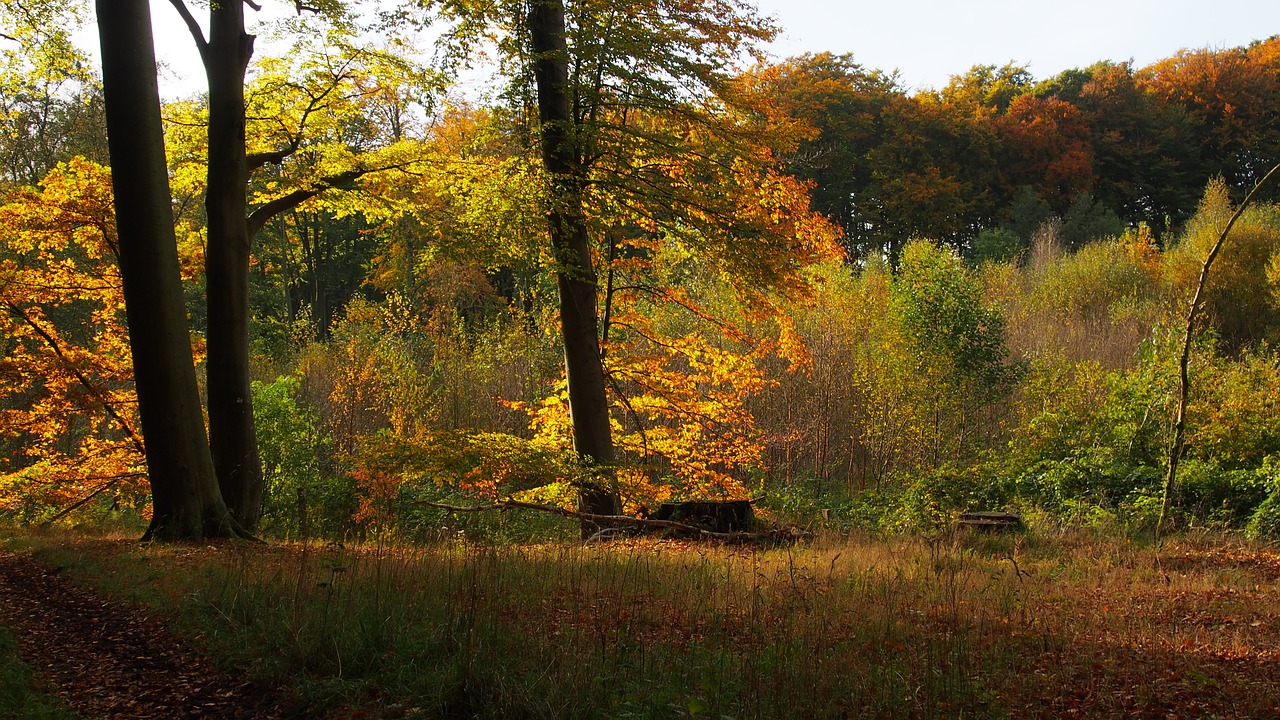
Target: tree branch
[80, 503]
[275, 157]
[193, 27]
[259, 218]
[106, 401]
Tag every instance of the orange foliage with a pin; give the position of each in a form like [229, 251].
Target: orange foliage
[68, 413]
[1050, 144]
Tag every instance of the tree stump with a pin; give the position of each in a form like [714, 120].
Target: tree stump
[990, 522]
[721, 516]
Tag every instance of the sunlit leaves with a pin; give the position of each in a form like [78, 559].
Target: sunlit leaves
[69, 413]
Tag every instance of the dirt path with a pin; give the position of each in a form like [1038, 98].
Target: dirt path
[110, 661]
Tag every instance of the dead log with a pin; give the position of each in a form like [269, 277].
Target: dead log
[722, 516]
[779, 535]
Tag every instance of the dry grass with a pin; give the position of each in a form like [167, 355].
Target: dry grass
[951, 627]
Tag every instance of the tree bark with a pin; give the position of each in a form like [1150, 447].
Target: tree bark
[579, 325]
[185, 497]
[232, 437]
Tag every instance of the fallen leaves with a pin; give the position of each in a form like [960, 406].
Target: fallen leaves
[111, 661]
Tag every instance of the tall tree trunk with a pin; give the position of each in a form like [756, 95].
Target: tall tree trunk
[185, 498]
[232, 437]
[588, 401]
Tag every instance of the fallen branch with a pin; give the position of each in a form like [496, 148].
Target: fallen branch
[605, 521]
[111, 481]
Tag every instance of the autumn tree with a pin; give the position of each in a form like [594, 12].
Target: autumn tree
[1229, 96]
[69, 421]
[1046, 146]
[186, 503]
[600, 73]
[50, 100]
[1143, 149]
[232, 220]
[844, 104]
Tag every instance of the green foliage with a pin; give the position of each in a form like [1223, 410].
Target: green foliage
[1221, 498]
[1027, 213]
[1104, 279]
[997, 246]
[1087, 220]
[1264, 524]
[942, 309]
[304, 496]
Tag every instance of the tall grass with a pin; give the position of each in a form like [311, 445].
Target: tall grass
[907, 628]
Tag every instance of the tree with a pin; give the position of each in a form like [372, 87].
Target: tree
[988, 89]
[1229, 97]
[1046, 147]
[562, 160]
[184, 488]
[1144, 150]
[68, 412]
[626, 99]
[50, 101]
[845, 105]
[231, 225]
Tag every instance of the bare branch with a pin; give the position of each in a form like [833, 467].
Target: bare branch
[193, 27]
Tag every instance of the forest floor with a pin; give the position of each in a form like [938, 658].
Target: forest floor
[1070, 625]
[108, 660]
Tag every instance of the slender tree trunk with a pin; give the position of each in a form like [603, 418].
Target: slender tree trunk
[1184, 358]
[185, 498]
[579, 325]
[232, 437]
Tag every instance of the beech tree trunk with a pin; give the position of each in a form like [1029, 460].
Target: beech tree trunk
[185, 497]
[232, 436]
[579, 325]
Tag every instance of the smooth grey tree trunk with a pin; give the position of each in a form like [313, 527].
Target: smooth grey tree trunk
[232, 436]
[185, 497]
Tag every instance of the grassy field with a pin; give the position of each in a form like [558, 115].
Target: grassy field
[1026, 626]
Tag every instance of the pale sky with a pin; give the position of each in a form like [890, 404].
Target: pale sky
[930, 40]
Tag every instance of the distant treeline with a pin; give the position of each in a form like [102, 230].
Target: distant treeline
[986, 160]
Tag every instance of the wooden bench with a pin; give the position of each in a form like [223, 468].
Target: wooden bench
[990, 522]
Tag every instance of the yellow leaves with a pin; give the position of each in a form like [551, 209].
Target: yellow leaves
[70, 413]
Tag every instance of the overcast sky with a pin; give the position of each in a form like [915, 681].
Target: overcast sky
[930, 40]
